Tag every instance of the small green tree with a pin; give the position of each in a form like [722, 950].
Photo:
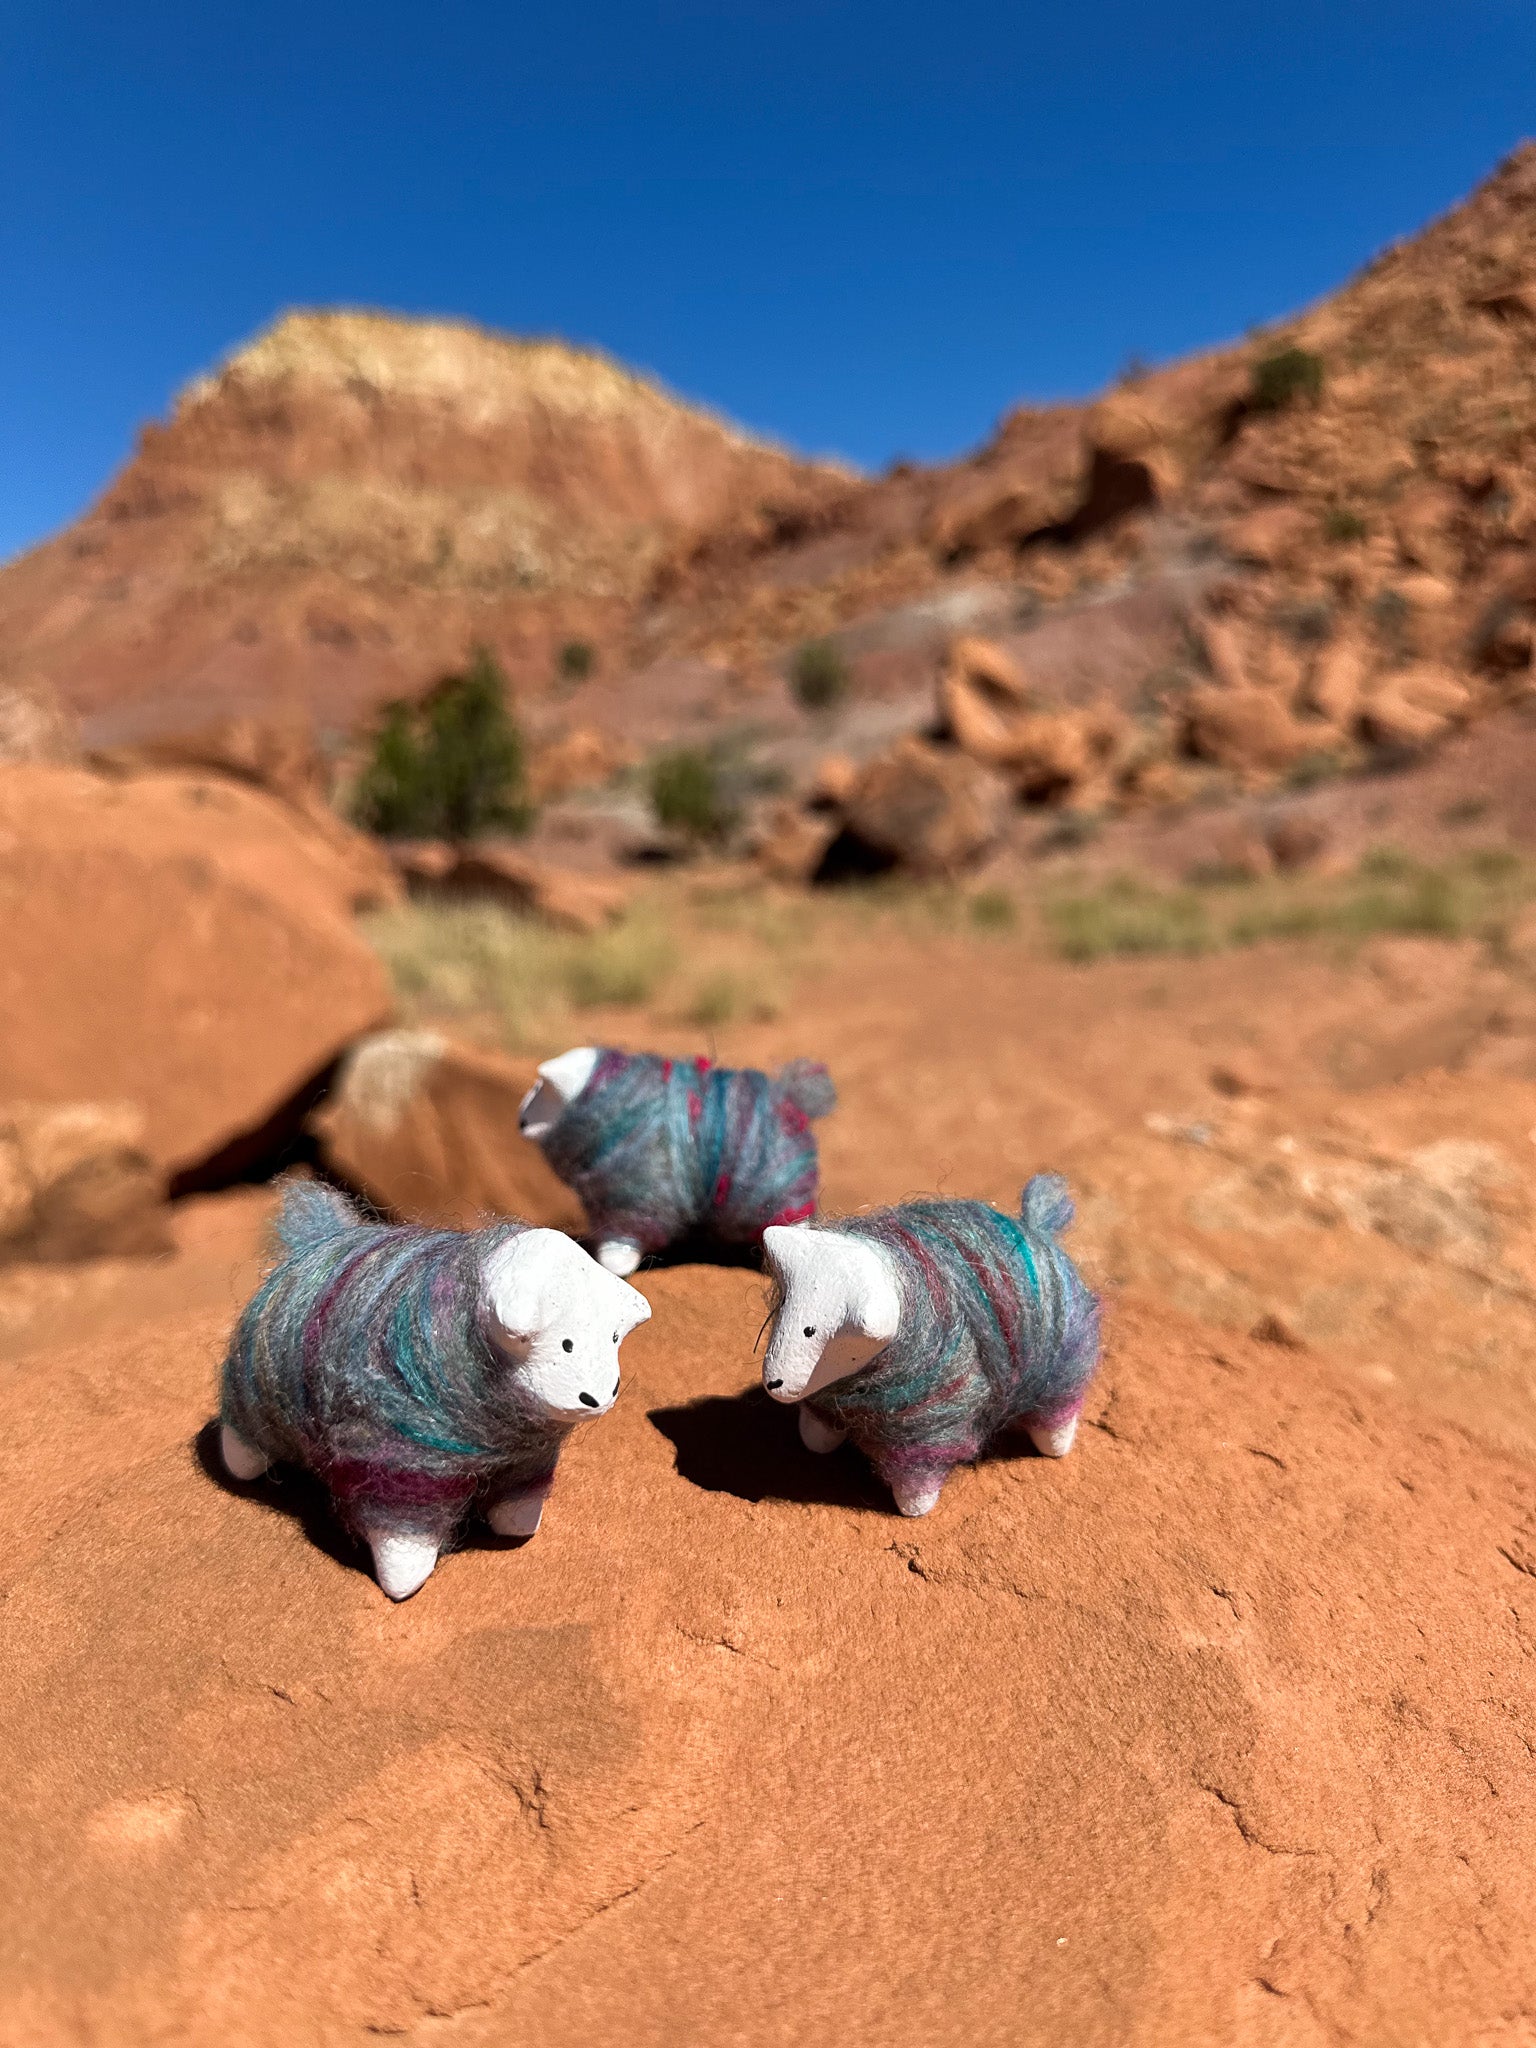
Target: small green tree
[450, 767]
[577, 661]
[688, 795]
[819, 675]
[1282, 378]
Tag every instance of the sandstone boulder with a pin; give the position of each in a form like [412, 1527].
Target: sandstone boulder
[1249, 730]
[427, 1129]
[422, 864]
[179, 942]
[1334, 688]
[930, 809]
[792, 840]
[1414, 706]
[1228, 653]
[280, 755]
[835, 776]
[76, 1183]
[1068, 756]
[982, 690]
[992, 511]
[1424, 520]
[502, 872]
[1271, 536]
[1129, 444]
[561, 896]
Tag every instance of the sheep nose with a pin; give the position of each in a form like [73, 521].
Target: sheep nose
[588, 1400]
[771, 1385]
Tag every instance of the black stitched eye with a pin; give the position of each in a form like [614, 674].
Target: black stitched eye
[566, 1344]
[810, 1329]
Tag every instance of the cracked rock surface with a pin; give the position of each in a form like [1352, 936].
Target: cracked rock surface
[1221, 1729]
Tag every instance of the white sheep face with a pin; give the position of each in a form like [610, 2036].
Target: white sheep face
[841, 1306]
[560, 1081]
[561, 1319]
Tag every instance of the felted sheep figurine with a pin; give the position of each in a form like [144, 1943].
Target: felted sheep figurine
[924, 1330]
[418, 1372]
[659, 1149]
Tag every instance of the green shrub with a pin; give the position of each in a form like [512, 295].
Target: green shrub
[1306, 625]
[577, 660]
[1342, 525]
[450, 767]
[688, 794]
[819, 676]
[994, 910]
[1282, 378]
[1392, 616]
[1311, 769]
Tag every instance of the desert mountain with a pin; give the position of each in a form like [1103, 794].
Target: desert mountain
[348, 503]
[1313, 545]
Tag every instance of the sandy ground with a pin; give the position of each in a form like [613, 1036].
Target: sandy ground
[1221, 1730]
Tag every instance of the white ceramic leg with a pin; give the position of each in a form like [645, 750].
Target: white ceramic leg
[618, 1255]
[1054, 1439]
[518, 1514]
[917, 1495]
[240, 1461]
[402, 1564]
[817, 1435]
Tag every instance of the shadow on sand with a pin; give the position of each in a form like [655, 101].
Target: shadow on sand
[288, 1490]
[746, 1445]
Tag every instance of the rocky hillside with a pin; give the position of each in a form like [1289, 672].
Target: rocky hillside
[336, 514]
[1385, 435]
[1311, 552]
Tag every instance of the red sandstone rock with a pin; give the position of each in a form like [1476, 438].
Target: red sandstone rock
[931, 809]
[427, 1129]
[501, 871]
[792, 841]
[1414, 706]
[174, 941]
[76, 1183]
[1248, 730]
[1216, 1731]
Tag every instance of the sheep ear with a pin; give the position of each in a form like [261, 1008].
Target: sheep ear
[874, 1299]
[633, 1309]
[570, 1072]
[788, 1248]
[515, 1282]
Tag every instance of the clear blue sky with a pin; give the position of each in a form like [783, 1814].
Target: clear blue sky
[866, 227]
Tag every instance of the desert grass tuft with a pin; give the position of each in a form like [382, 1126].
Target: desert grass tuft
[1473, 896]
[480, 958]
